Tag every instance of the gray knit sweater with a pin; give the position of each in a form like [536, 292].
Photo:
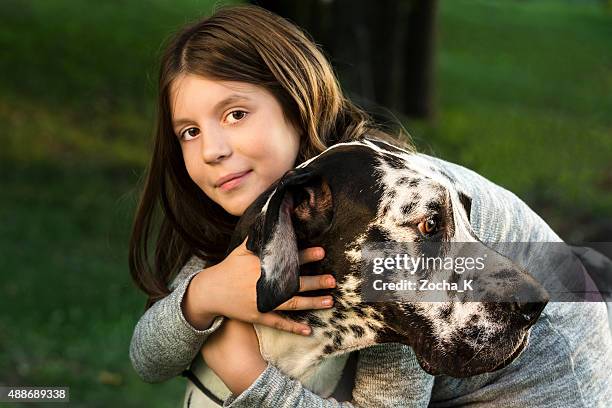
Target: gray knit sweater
[568, 362]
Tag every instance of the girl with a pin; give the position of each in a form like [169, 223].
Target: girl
[245, 96]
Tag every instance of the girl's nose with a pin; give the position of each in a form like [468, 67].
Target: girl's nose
[215, 147]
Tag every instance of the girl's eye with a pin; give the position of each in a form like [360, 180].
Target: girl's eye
[429, 226]
[190, 133]
[237, 115]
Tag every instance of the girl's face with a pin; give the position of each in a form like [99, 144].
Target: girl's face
[234, 137]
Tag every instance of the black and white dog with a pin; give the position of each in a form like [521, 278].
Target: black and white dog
[370, 191]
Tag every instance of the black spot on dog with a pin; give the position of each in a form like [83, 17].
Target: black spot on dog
[414, 182]
[377, 234]
[357, 330]
[315, 321]
[342, 329]
[333, 322]
[340, 306]
[434, 206]
[372, 327]
[328, 334]
[328, 349]
[408, 208]
[385, 208]
[338, 340]
[404, 180]
[445, 312]
[359, 312]
[338, 315]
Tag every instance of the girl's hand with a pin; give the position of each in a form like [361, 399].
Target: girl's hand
[232, 352]
[229, 289]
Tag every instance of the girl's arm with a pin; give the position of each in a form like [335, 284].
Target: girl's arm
[164, 343]
[388, 375]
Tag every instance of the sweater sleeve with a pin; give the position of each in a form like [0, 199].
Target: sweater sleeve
[164, 343]
[388, 375]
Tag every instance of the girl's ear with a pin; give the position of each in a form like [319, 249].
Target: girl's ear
[299, 208]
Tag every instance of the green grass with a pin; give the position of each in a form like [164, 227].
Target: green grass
[524, 94]
[68, 303]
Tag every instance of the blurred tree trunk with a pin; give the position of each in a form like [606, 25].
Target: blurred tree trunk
[383, 51]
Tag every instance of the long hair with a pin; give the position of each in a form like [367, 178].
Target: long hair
[174, 218]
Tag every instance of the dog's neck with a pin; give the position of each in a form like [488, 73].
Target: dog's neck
[346, 327]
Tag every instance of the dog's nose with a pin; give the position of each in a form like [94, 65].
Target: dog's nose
[530, 311]
[529, 300]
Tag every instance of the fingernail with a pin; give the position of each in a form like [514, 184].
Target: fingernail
[306, 332]
[331, 281]
[327, 302]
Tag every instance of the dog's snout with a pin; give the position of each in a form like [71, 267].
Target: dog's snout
[530, 311]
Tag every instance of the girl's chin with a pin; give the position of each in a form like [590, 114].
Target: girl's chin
[236, 208]
[242, 199]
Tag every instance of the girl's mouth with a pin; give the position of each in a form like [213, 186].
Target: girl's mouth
[235, 182]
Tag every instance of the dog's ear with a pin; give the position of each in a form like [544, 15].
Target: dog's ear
[466, 201]
[299, 208]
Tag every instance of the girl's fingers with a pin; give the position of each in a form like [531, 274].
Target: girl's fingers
[275, 321]
[307, 303]
[311, 255]
[314, 282]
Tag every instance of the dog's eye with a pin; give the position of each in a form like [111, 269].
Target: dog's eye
[428, 227]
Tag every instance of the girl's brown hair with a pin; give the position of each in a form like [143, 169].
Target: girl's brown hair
[247, 44]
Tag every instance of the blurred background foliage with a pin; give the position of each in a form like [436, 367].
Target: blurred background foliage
[523, 95]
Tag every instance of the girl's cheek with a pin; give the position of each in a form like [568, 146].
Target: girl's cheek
[256, 148]
[196, 174]
[191, 162]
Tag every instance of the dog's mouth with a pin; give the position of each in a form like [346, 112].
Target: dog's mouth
[461, 360]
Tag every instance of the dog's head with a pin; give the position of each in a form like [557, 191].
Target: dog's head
[359, 193]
